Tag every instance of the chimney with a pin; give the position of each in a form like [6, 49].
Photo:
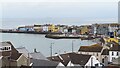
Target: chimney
[111, 45]
[56, 54]
[35, 50]
[65, 52]
[119, 41]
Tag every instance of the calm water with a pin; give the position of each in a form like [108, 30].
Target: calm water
[42, 44]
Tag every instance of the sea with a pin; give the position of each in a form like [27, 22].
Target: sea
[42, 44]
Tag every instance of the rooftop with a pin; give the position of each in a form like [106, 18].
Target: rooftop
[113, 46]
[105, 52]
[92, 48]
[12, 54]
[7, 43]
[38, 55]
[24, 51]
[79, 59]
[44, 63]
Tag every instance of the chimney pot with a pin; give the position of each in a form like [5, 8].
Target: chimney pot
[35, 50]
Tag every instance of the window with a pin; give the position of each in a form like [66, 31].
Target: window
[0, 48]
[102, 60]
[97, 54]
[9, 47]
[112, 53]
[96, 64]
[117, 53]
[113, 58]
[5, 48]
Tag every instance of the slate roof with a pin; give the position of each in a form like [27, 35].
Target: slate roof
[105, 52]
[54, 58]
[92, 48]
[115, 46]
[38, 55]
[24, 51]
[5, 43]
[13, 54]
[65, 58]
[79, 59]
[37, 63]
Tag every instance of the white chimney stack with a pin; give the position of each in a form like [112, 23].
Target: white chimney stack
[111, 45]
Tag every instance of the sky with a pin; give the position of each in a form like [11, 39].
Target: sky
[59, 0]
[71, 12]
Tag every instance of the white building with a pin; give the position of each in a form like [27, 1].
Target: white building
[5, 47]
[45, 28]
[114, 53]
[94, 50]
[87, 62]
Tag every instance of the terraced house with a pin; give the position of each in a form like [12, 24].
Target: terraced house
[94, 50]
[11, 57]
[104, 29]
[76, 60]
[53, 28]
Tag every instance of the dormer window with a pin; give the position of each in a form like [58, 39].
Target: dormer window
[7, 48]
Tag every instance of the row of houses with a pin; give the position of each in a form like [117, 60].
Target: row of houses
[41, 28]
[57, 28]
[106, 53]
[96, 55]
[105, 29]
[11, 57]
[102, 29]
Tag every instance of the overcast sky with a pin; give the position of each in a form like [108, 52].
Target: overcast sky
[28, 9]
[72, 10]
[59, 0]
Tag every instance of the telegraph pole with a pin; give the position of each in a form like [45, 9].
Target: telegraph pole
[51, 49]
[72, 45]
[28, 62]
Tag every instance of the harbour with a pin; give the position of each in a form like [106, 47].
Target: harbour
[42, 44]
[59, 34]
